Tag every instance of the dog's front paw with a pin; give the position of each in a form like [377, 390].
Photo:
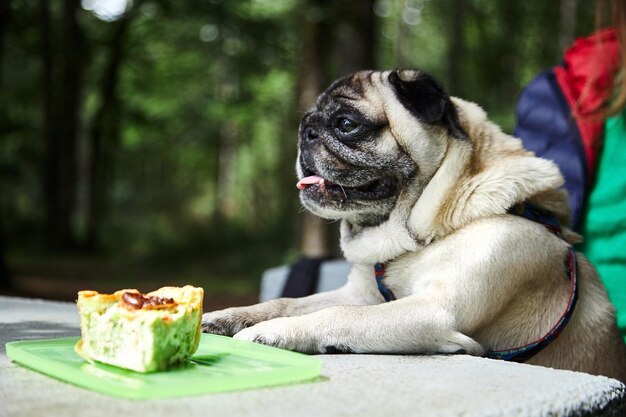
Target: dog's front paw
[228, 322]
[284, 332]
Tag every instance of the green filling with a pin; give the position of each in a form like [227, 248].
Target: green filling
[141, 340]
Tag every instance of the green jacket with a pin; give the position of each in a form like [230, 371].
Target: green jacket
[604, 221]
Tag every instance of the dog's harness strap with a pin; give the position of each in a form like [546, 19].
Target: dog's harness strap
[523, 353]
[379, 273]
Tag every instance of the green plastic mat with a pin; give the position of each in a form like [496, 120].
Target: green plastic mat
[220, 364]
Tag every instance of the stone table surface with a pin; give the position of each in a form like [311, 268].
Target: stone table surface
[352, 385]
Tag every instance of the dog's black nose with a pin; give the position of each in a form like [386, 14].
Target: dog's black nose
[310, 133]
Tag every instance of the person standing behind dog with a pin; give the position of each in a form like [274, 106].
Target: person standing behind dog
[575, 115]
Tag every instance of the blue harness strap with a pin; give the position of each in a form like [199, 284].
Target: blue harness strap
[521, 353]
[538, 215]
[379, 273]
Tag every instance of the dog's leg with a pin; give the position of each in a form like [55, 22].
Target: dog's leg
[408, 325]
[232, 320]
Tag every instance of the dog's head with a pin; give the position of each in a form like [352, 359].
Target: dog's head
[370, 135]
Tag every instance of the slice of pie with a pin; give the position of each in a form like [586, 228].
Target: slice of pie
[142, 332]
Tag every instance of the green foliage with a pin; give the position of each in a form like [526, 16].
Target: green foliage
[206, 100]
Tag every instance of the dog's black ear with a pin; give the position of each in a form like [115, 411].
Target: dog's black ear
[425, 98]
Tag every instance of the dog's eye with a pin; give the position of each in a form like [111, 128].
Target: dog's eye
[346, 125]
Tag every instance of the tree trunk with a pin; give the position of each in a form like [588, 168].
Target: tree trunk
[5, 16]
[224, 148]
[5, 276]
[315, 232]
[226, 171]
[50, 178]
[509, 68]
[61, 119]
[403, 41]
[6, 280]
[355, 37]
[330, 49]
[567, 27]
[104, 135]
[457, 46]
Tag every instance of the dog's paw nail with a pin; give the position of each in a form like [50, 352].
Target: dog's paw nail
[260, 334]
[333, 349]
[225, 323]
[247, 335]
[262, 340]
[210, 327]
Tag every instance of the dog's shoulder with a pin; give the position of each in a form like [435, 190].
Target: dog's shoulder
[485, 177]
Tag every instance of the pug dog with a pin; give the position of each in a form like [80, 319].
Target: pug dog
[432, 199]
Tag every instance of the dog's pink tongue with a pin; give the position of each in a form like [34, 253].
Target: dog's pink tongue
[306, 181]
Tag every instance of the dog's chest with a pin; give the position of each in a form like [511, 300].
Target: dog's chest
[399, 281]
[401, 277]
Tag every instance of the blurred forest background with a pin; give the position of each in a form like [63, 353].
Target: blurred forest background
[152, 142]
